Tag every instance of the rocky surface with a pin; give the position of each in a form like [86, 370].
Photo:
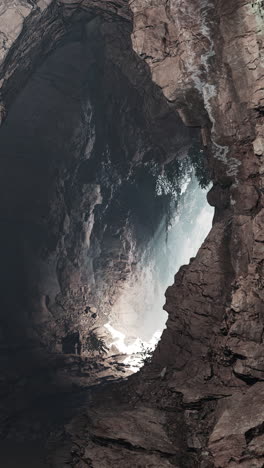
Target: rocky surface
[200, 401]
[208, 59]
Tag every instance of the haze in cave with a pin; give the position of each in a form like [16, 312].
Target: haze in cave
[138, 319]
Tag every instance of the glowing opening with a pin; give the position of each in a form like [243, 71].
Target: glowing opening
[138, 318]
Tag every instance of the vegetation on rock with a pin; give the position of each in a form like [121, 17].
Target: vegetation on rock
[95, 343]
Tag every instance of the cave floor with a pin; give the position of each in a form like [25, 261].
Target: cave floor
[109, 422]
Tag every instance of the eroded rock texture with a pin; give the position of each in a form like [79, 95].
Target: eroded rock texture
[208, 59]
[67, 181]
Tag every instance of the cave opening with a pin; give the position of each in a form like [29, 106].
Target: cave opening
[116, 116]
[98, 182]
[137, 318]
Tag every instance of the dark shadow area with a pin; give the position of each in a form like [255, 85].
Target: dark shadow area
[80, 155]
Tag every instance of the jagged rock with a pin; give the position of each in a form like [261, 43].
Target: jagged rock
[240, 421]
[200, 40]
[65, 228]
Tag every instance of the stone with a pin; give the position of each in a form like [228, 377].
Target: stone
[71, 235]
[240, 415]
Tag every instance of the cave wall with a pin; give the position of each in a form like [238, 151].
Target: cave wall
[79, 203]
[206, 59]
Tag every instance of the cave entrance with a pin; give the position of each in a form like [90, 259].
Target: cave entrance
[137, 318]
[97, 178]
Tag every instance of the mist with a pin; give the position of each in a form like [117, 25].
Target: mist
[138, 318]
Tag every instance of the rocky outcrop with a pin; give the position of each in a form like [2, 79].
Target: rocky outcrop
[208, 59]
[200, 399]
[30, 29]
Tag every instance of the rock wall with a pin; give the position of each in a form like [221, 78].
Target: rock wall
[201, 397]
[208, 59]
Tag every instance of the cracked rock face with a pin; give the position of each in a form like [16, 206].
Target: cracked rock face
[208, 59]
[199, 402]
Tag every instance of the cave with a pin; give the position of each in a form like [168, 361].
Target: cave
[131, 156]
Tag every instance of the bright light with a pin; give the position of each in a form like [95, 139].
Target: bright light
[137, 318]
[134, 350]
